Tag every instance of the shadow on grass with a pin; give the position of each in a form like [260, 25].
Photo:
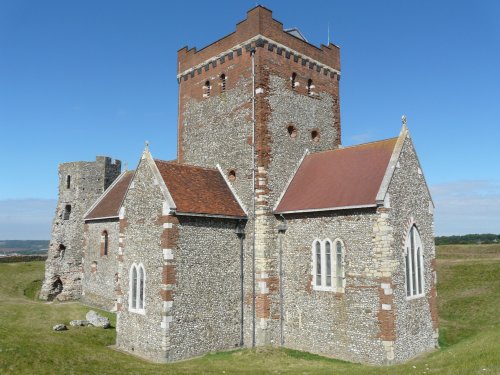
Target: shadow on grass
[32, 291]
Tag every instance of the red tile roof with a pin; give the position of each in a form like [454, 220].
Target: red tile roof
[110, 202]
[199, 190]
[339, 178]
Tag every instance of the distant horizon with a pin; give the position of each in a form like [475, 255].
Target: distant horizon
[71, 92]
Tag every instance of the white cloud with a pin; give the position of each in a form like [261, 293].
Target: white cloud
[26, 219]
[464, 207]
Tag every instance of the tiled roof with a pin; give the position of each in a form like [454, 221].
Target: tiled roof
[109, 204]
[346, 177]
[199, 190]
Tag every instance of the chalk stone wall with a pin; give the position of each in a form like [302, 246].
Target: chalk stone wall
[100, 272]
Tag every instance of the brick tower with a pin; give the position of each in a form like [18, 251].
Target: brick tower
[80, 184]
[254, 102]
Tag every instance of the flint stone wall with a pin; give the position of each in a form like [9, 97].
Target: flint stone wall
[415, 330]
[137, 333]
[100, 272]
[218, 130]
[340, 325]
[201, 273]
[207, 300]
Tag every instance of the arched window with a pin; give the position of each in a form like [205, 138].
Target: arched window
[328, 265]
[309, 86]
[68, 182]
[317, 252]
[137, 286]
[104, 243]
[294, 80]
[414, 261]
[207, 89]
[339, 266]
[223, 82]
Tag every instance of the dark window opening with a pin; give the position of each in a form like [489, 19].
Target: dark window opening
[56, 289]
[223, 82]
[68, 182]
[292, 131]
[105, 243]
[67, 211]
[315, 136]
[294, 78]
[60, 251]
[309, 86]
[207, 88]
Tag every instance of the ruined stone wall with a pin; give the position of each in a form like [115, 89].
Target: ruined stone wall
[139, 242]
[63, 268]
[100, 271]
[341, 325]
[416, 325]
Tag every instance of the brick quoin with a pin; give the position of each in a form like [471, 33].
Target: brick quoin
[168, 274]
[123, 225]
[387, 318]
[169, 239]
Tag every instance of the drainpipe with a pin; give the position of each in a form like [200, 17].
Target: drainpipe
[282, 227]
[252, 52]
[240, 232]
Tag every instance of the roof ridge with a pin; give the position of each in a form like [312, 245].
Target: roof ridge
[352, 146]
[184, 164]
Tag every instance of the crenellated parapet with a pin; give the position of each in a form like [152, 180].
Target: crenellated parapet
[259, 30]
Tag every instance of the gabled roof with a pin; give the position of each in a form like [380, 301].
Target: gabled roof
[199, 191]
[108, 205]
[343, 178]
[296, 33]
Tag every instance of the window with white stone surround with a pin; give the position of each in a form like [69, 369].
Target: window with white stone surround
[328, 265]
[414, 264]
[137, 283]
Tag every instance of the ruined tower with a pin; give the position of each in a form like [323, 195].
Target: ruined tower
[80, 184]
[254, 102]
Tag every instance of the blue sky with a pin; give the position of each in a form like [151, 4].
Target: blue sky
[79, 79]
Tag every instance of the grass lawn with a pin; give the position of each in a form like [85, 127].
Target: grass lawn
[469, 308]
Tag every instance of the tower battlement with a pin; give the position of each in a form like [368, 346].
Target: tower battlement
[259, 29]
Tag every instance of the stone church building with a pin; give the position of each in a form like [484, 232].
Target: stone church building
[264, 230]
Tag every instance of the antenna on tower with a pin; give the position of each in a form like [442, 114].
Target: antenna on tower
[328, 32]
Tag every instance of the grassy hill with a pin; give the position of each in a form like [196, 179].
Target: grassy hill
[469, 306]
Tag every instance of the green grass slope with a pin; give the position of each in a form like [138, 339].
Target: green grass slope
[469, 306]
